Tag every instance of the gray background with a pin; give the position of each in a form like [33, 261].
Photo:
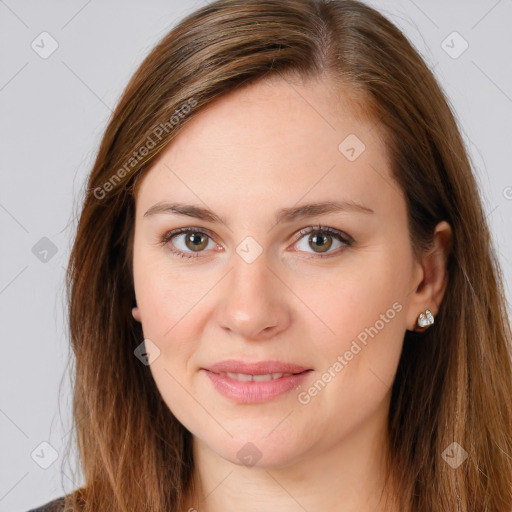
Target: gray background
[53, 112]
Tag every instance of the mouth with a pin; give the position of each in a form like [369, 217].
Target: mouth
[245, 377]
[257, 368]
[252, 383]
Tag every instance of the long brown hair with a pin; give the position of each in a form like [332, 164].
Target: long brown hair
[453, 384]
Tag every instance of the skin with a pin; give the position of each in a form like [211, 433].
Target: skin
[266, 146]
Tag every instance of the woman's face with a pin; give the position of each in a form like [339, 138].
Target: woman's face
[265, 283]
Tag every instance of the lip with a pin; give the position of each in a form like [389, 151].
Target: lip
[253, 392]
[256, 368]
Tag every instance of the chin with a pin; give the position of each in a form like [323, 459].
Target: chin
[258, 450]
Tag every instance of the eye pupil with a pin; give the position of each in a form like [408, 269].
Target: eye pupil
[319, 240]
[198, 241]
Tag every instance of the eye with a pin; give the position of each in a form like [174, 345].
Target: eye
[190, 242]
[321, 240]
[185, 242]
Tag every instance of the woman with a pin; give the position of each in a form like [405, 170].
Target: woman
[283, 291]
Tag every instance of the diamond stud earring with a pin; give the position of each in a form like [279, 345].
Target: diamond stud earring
[425, 319]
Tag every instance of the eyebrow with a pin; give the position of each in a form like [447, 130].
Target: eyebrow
[284, 215]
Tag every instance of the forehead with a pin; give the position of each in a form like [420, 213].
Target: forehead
[272, 142]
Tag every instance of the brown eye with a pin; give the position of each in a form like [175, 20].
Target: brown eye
[321, 239]
[321, 242]
[196, 241]
[187, 242]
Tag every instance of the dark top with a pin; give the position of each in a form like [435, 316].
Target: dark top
[56, 505]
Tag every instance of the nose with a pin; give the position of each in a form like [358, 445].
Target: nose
[255, 302]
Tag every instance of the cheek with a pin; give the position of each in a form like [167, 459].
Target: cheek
[351, 299]
[170, 306]
[362, 307]
[172, 313]
[166, 292]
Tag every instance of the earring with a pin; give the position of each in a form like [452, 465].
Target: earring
[425, 319]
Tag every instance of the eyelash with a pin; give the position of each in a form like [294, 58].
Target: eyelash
[342, 237]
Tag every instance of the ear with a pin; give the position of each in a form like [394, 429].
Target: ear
[430, 276]
[136, 313]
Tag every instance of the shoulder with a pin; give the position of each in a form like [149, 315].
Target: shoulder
[56, 505]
